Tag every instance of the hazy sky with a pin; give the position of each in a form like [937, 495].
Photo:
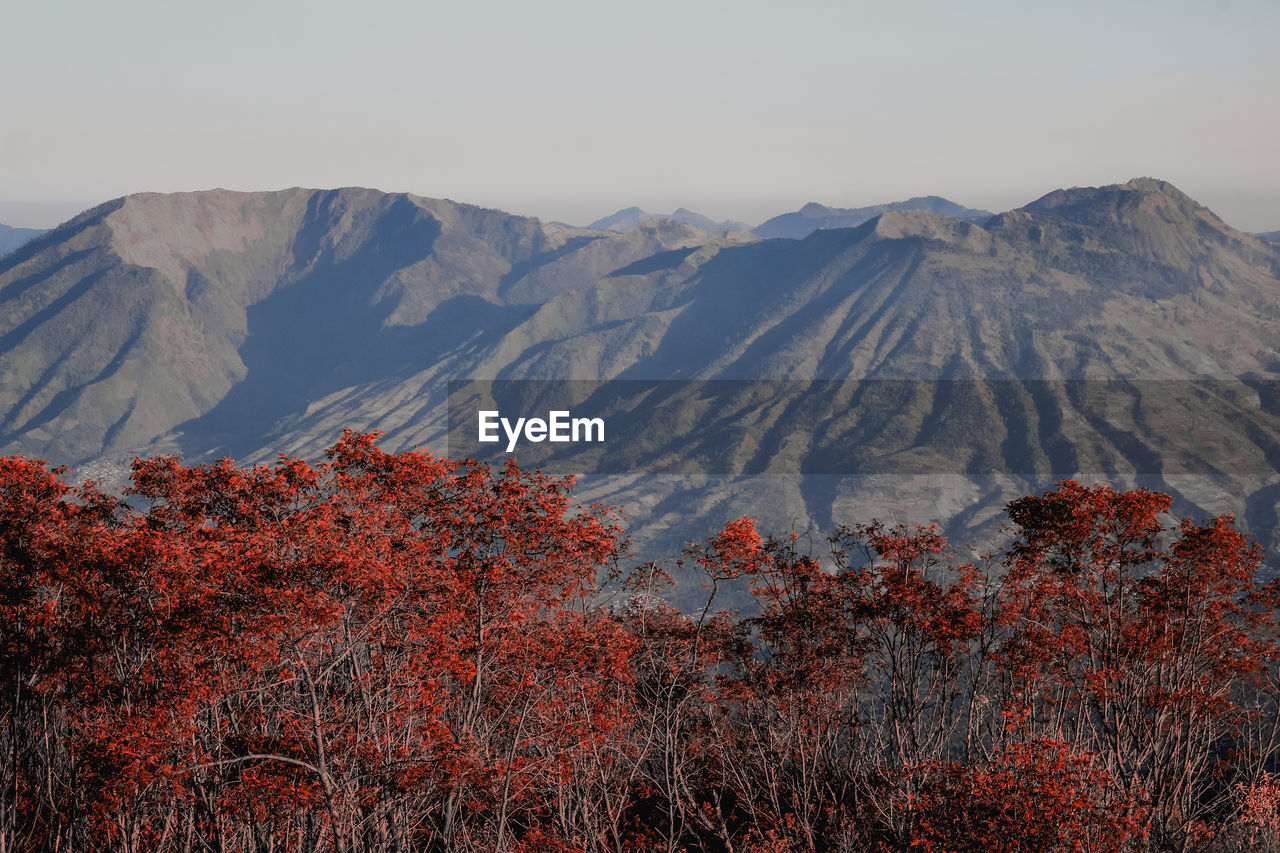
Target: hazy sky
[570, 110]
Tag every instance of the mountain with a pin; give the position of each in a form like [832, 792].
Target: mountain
[1126, 281]
[1269, 236]
[220, 313]
[918, 367]
[630, 217]
[11, 238]
[814, 216]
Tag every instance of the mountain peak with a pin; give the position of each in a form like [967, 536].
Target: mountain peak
[1146, 235]
[813, 209]
[813, 216]
[1153, 185]
[630, 217]
[622, 220]
[924, 224]
[1116, 199]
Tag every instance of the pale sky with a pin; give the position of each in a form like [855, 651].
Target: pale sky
[571, 110]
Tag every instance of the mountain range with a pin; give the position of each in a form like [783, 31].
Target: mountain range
[630, 217]
[11, 238]
[814, 216]
[796, 224]
[247, 324]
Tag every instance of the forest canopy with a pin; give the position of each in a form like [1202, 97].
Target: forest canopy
[397, 652]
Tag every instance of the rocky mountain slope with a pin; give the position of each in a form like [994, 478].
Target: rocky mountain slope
[225, 312]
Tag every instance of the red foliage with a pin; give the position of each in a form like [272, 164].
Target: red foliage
[1151, 647]
[402, 653]
[1042, 795]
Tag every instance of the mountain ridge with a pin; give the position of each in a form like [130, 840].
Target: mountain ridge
[813, 216]
[193, 276]
[629, 217]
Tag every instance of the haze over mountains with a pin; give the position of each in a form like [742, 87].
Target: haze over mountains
[11, 238]
[814, 216]
[630, 217]
[248, 324]
[796, 224]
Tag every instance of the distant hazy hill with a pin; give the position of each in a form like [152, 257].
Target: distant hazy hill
[11, 238]
[1269, 236]
[630, 217]
[249, 324]
[814, 216]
